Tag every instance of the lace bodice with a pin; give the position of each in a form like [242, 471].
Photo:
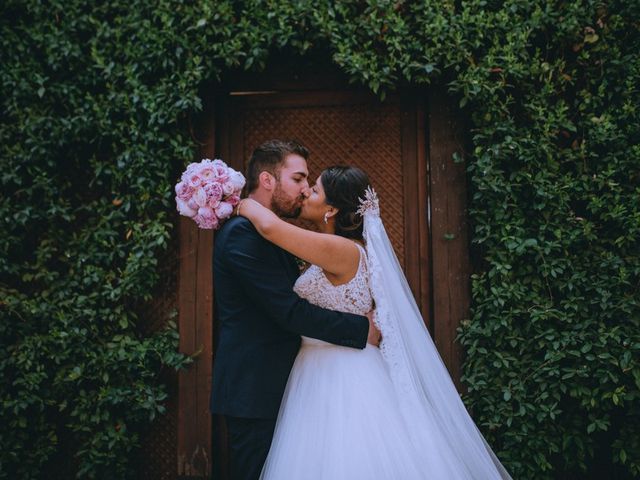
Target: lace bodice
[352, 297]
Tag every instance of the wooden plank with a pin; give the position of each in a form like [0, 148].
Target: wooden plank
[225, 114]
[196, 330]
[238, 157]
[229, 148]
[415, 180]
[450, 249]
[204, 343]
[222, 115]
[410, 187]
[264, 99]
[207, 128]
[186, 324]
[423, 214]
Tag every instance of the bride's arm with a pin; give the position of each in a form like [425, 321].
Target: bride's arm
[334, 254]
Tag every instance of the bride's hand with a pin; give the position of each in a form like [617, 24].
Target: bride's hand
[375, 336]
[236, 211]
[246, 207]
[261, 217]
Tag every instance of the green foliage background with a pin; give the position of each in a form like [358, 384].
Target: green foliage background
[95, 99]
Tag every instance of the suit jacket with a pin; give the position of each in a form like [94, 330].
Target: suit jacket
[261, 319]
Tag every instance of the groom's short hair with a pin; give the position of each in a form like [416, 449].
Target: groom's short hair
[269, 157]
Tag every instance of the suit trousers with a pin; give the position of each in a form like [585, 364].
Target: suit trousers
[249, 443]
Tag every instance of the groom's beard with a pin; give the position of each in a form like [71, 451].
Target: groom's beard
[284, 206]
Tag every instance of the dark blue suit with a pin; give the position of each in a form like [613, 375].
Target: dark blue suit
[261, 319]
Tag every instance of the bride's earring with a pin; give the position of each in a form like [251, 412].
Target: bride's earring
[326, 217]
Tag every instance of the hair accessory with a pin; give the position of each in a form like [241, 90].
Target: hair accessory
[369, 204]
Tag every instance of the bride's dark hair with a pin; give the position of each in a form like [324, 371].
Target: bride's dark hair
[343, 187]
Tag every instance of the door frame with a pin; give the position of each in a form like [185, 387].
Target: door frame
[437, 263]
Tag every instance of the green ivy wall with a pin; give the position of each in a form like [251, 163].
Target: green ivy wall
[96, 101]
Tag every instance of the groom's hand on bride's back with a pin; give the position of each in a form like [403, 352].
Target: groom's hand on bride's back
[374, 336]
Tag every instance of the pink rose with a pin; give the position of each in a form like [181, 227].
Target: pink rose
[184, 208]
[200, 197]
[183, 191]
[208, 173]
[227, 188]
[206, 222]
[192, 204]
[194, 180]
[224, 210]
[233, 200]
[222, 171]
[237, 180]
[191, 168]
[220, 165]
[206, 212]
[214, 194]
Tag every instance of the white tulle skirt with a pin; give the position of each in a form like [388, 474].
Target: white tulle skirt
[340, 419]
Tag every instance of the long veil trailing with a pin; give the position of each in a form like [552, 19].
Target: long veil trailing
[429, 399]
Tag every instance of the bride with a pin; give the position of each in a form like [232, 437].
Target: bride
[346, 414]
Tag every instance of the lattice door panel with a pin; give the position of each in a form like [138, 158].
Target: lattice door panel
[364, 135]
[156, 459]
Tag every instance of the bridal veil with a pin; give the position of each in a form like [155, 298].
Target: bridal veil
[429, 399]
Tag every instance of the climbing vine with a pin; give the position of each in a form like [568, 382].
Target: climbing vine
[96, 102]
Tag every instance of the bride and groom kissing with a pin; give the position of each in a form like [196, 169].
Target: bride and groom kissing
[306, 388]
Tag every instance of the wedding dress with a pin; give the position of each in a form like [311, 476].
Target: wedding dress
[370, 414]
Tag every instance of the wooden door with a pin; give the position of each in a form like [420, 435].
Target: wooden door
[349, 128]
[405, 144]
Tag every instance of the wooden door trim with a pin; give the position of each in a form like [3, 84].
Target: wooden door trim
[324, 98]
[195, 325]
[426, 290]
[412, 233]
[449, 228]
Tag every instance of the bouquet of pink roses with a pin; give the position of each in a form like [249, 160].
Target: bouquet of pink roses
[208, 191]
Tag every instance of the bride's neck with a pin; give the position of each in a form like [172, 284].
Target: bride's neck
[326, 227]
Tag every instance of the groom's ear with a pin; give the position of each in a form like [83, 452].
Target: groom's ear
[267, 181]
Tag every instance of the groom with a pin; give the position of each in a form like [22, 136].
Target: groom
[261, 318]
